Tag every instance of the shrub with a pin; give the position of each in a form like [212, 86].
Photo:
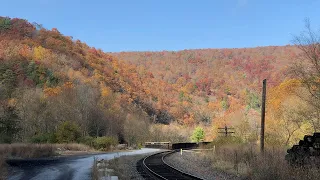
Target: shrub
[44, 138]
[198, 135]
[87, 140]
[68, 132]
[232, 140]
[104, 142]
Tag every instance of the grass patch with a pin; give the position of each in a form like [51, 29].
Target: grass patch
[247, 162]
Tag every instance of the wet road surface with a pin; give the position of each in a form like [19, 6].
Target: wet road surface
[64, 168]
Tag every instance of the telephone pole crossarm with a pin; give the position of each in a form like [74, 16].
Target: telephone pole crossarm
[226, 130]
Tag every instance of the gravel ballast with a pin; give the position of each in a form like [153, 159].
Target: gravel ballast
[125, 167]
[190, 162]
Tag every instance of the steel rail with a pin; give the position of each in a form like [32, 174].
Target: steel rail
[167, 171]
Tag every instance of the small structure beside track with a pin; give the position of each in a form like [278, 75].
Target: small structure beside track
[158, 145]
[189, 145]
[174, 146]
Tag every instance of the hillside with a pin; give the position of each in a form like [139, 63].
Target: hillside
[209, 83]
[48, 78]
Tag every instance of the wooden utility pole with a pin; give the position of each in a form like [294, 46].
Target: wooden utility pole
[226, 132]
[263, 114]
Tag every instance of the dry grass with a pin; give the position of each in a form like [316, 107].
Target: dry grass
[3, 169]
[73, 147]
[249, 163]
[26, 150]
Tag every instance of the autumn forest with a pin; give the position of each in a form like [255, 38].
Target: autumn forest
[50, 82]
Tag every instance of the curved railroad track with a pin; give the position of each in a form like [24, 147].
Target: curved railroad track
[154, 167]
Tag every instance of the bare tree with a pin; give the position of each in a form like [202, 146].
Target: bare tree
[307, 67]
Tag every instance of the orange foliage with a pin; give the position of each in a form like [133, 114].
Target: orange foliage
[26, 52]
[68, 85]
[48, 92]
[153, 79]
[277, 94]
[105, 91]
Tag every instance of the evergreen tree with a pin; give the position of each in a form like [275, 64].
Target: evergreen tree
[9, 124]
[198, 135]
[9, 82]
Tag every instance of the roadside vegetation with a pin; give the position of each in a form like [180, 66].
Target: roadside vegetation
[247, 162]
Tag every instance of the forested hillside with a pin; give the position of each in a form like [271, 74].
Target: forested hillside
[210, 83]
[49, 81]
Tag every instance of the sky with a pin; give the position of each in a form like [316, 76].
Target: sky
[156, 25]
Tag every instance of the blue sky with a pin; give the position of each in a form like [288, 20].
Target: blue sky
[143, 25]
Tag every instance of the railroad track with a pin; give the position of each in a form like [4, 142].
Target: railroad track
[154, 167]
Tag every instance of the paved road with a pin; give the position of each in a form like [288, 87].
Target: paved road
[73, 168]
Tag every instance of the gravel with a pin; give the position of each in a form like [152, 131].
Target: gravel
[125, 167]
[193, 163]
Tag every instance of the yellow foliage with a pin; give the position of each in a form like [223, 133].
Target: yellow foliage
[12, 102]
[279, 93]
[283, 113]
[39, 53]
[105, 91]
[189, 87]
[115, 65]
[97, 75]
